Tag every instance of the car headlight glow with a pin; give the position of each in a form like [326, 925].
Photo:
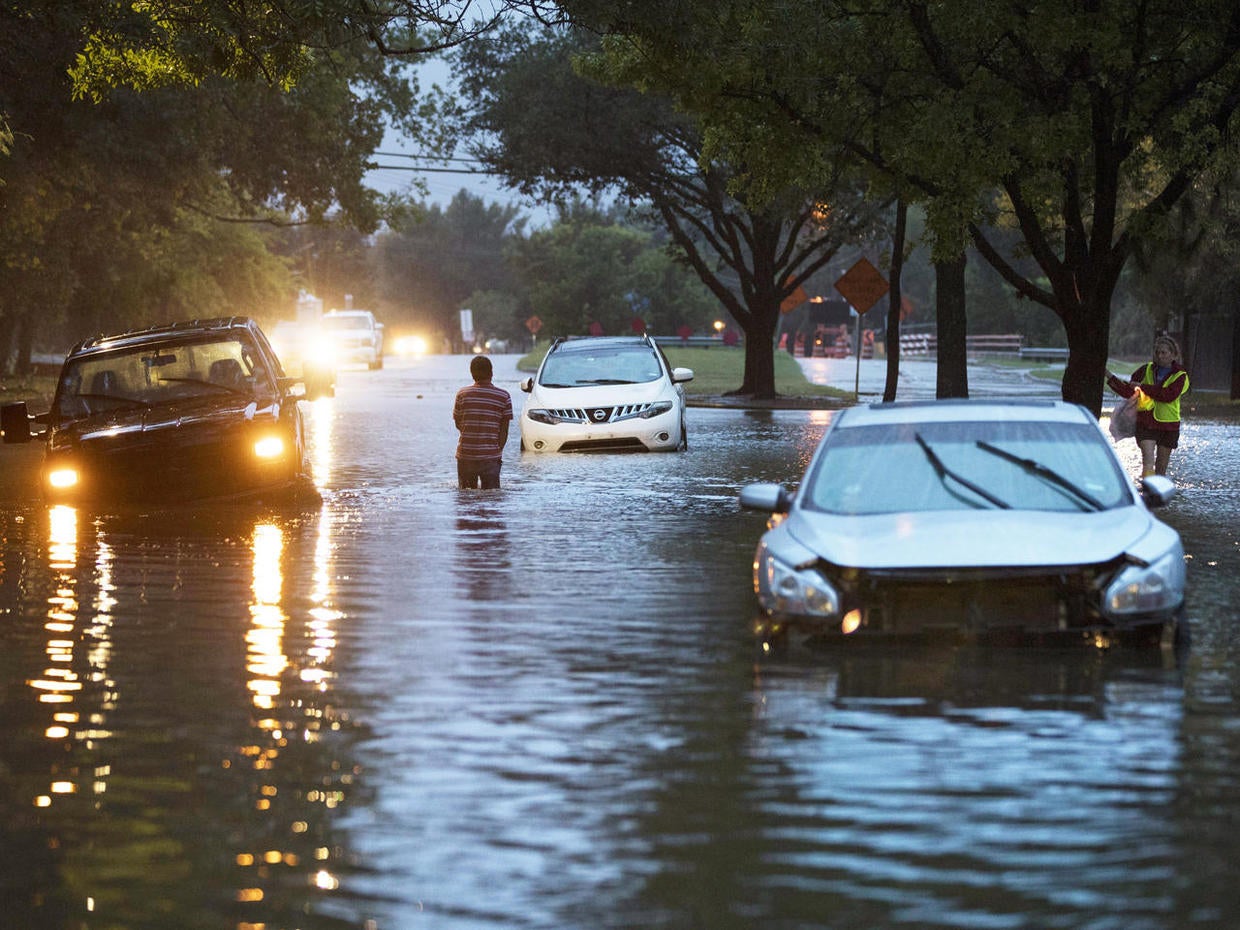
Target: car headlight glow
[656, 409]
[783, 589]
[321, 350]
[62, 477]
[1141, 589]
[269, 447]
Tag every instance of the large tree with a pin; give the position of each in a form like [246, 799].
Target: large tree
[1089, 118]
[133, 208]
[551, 129]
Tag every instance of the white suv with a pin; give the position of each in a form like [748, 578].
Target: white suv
[358, 337]
[605, 394]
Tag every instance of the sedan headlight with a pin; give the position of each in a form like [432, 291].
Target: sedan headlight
[786, 589]
[1144, 589]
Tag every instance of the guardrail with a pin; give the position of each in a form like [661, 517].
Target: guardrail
[1044, 354]
[1010, 344]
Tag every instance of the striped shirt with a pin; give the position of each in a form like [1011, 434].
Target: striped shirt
[479, 410]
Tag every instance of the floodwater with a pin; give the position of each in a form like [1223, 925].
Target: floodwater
[540, 708]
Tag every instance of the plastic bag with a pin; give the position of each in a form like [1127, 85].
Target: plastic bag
[1124, 417]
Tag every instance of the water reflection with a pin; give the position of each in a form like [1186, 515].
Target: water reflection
[173, 665]
[78, 649]
[291, 678]
[484, 559]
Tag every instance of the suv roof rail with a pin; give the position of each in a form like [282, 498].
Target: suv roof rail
[219, 322]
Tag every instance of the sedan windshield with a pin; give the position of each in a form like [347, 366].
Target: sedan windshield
[613, 365]
[965, 466]
[147, 375]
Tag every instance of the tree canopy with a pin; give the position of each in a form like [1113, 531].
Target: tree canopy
[545, 120]
[1075, 122]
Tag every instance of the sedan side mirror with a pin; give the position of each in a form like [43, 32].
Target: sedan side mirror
[1157, 490]
[765, 496]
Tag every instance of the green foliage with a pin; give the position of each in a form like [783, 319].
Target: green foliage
[589, 269]
[147, 206]
[427, 264]
[1090, 121]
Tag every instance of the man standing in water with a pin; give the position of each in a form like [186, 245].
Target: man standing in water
[482, 413]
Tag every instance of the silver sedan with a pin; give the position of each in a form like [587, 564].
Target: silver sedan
[984, 521]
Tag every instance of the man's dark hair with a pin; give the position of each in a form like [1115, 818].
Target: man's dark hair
[480, 368]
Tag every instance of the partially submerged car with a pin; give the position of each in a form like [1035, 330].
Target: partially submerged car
[605, 394]
[175, 413]
[977, 521]
[357, 337]
[306, 352]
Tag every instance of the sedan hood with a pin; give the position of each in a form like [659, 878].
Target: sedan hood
[974, 539]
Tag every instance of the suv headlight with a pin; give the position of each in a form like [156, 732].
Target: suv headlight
[656, 409]
[1143, 589]
[543, 416]
[785, 589]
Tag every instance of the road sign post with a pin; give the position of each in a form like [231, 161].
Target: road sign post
[862, 286]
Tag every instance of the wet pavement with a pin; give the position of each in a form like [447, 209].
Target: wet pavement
[540, 708]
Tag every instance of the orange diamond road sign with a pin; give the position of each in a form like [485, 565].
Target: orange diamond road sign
[533, 324]
[793, 300]
[862, 285]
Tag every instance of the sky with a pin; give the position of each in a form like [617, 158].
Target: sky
[395, 158]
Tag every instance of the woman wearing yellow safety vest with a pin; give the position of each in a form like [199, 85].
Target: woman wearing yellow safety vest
[1159, 385]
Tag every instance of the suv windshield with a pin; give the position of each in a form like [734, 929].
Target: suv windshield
[150, 374]
[910, 467]
[573, 367]
[346, 322]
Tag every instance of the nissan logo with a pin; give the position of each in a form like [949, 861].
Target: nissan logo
[599, 415]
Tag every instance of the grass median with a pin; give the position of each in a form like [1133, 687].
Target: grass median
[720, 369]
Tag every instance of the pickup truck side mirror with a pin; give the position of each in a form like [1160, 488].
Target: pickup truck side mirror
[15, 423]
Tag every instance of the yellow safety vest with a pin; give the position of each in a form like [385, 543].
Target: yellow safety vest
[1168, 412]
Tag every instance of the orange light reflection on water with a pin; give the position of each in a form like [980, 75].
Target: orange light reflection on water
[70, 630]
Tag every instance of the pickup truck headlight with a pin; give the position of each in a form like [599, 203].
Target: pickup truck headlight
[268, 448]
[1145, 589]
[786, 589]
[62, 477]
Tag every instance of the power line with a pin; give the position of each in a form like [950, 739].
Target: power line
[374, 167]
[475, 161]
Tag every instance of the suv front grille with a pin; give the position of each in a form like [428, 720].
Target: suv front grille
[599, 414]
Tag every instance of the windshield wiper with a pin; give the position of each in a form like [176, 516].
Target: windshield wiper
[1034, 467]
[132, 401]
[605, 381]
[944, 473]
[244, 392]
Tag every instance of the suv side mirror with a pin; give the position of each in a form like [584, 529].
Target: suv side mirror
[682, 374]
[527, 385]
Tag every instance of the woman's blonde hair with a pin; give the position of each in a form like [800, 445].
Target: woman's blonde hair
[1165, 340]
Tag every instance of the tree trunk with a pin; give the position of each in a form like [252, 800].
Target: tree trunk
[25, 344]
[953, 359]
[6, 344]
[1089, 330]
[759, 328]
[895, 303]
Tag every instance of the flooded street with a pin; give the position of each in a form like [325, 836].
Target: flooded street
[540, 707]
